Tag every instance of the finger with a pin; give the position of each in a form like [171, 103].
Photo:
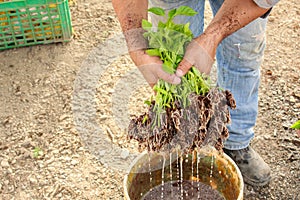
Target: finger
[199, 57]
[149, 75]
[183, 67]
[170, 78]
[173, 79]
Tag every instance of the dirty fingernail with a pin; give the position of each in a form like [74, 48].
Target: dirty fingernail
[179, 73]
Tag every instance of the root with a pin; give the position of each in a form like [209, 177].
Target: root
[202, 123]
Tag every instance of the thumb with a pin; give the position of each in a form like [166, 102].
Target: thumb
[183, 67]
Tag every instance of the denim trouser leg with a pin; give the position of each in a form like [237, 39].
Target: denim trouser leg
[239, 57]
[196, 22]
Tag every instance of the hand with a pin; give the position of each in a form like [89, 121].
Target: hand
[151, 68]
[196, 55]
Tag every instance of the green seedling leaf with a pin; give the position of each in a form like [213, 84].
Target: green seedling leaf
[153, 52]
[162, 91]
[179, 58]
[36, 152]
[155, 41]
[175, 27]
[186, 29]
[168, 67]
[167, 105]
[147, 102]
[296, 125]
[167, 86]
[145, 119]
[161, 25]
[185, 10]
[146, 25]
[196, 71]
[171, 14]
[146, 35]
[157, 11]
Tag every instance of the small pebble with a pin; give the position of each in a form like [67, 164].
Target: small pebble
[4, 163]
[74, 162]
[124, 154]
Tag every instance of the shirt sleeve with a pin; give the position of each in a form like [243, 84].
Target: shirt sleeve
[266, 3]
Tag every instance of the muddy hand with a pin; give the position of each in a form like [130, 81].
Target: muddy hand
[151, 68]
[197, 56]
[153, 72]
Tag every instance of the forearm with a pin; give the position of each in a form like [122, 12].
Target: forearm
[130, 13]
[232, 16]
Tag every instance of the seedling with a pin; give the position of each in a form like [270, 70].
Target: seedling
[296, 125]
[169, 42]
[37, 152]
[190, 114]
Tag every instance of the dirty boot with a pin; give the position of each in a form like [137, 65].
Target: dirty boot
[253, 168]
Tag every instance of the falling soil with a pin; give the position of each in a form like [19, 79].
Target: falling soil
[201, 123]
[191, 190]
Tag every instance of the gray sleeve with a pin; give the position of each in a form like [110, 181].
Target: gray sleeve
[266, 3]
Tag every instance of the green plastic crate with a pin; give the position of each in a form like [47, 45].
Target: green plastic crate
[31, 22]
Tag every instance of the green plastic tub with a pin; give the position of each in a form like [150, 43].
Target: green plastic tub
[31, 22]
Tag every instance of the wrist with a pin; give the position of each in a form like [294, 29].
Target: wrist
[213, 34]
[209, 42]
[135, 40]
[137, 56]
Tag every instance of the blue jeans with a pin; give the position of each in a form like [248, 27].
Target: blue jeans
[239, 57]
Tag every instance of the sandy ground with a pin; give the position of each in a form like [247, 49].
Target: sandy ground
[45, 155]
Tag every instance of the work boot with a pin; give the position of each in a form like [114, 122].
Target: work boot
[253, 168]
